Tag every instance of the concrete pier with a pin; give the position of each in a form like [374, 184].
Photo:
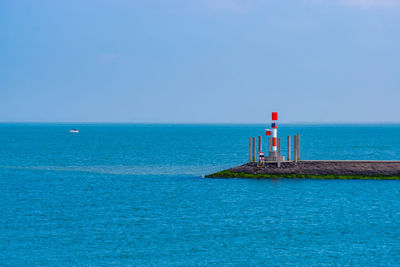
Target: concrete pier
[317, 169]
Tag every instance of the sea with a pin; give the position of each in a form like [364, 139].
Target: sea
[136, 195]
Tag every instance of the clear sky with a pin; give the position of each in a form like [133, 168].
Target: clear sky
[175, 61]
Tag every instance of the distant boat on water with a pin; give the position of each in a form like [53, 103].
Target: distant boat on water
[73, 131]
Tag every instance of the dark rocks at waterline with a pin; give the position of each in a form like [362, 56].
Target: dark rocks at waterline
[347, 169]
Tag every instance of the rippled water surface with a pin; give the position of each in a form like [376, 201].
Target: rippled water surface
[134, 195]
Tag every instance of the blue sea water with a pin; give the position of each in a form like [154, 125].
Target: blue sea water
[125, 194]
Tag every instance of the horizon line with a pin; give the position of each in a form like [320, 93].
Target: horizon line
[237, 123]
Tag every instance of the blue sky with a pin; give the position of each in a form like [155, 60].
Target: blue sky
[198, 61]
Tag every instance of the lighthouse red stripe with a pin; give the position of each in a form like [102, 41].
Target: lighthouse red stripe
[273, 141]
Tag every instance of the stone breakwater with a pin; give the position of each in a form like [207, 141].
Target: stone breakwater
[323, 169]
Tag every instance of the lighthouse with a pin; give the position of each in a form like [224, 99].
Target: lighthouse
[274, 131]
[273, 154]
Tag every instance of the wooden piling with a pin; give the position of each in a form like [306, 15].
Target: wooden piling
[298, 147]
[254, 149]
[269, 145]
[260, 163]
[288, 148]
[259, 148]
[279, 152]
[249, 149]
[295, 148]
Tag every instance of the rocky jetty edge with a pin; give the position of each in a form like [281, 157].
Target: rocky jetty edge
[316, 169]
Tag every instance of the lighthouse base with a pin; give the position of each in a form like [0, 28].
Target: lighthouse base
[273, 156]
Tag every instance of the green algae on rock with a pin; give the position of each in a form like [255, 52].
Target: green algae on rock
[364, 170]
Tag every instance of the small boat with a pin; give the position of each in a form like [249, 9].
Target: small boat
[73, 131]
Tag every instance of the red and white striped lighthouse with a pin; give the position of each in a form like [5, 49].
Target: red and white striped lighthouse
[274, 131]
